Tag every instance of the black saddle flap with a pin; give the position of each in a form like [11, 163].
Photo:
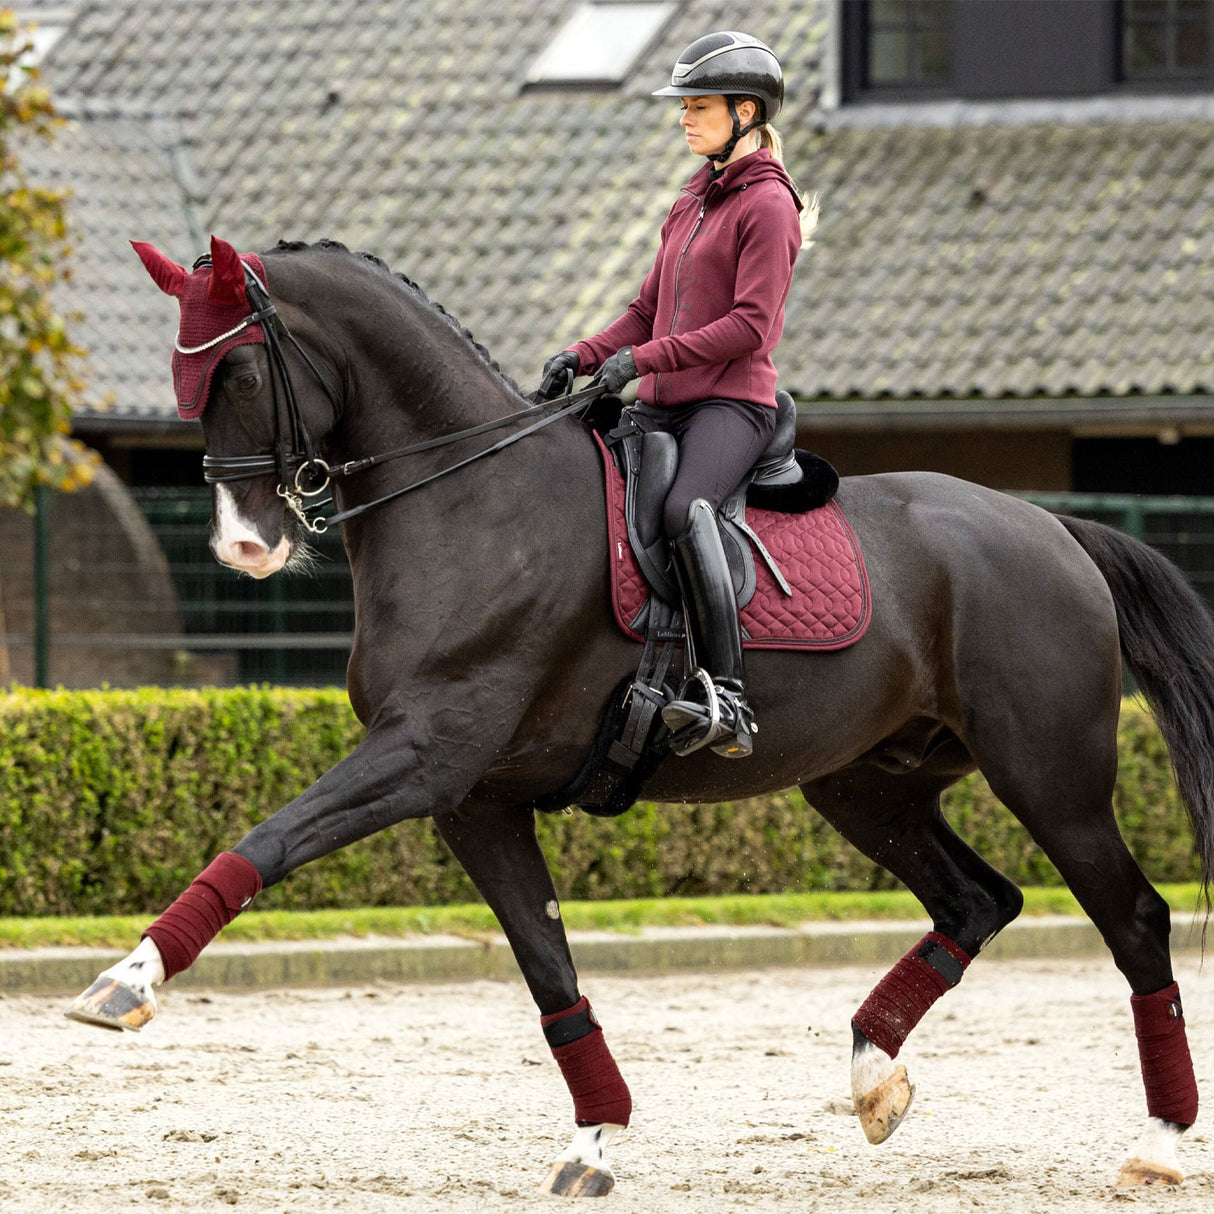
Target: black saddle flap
[649, 463]
[659, 464]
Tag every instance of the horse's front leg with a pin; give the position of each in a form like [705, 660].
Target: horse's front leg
[499, 851]
[401, 769]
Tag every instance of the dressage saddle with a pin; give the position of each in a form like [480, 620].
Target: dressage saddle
[782, 479]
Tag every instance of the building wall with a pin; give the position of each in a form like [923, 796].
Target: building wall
[109, 587]
[1002, 460]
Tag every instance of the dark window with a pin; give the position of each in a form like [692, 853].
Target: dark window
[1143, 465]
[921, 50]
[906, 44]
[1166, 40]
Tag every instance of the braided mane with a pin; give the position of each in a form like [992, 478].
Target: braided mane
[407, 284]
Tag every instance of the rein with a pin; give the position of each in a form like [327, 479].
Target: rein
[571, 403]
[312, 475]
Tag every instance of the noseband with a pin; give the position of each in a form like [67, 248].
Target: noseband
[302, 473]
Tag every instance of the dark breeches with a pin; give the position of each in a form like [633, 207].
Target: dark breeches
[719, 442]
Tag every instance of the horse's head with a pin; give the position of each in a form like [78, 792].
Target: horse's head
[261, 404]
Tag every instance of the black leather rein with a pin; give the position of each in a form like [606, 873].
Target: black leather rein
[302, 473]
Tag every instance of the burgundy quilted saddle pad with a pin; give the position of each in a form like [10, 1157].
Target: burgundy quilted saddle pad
[830, 606]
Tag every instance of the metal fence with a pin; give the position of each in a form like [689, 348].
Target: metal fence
[185, 619]
[290, 628]
[118, 586]
[1182, 528]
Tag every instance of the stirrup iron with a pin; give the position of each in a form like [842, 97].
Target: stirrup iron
[694, 725]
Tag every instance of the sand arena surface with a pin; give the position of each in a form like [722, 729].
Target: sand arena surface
[444, 1098]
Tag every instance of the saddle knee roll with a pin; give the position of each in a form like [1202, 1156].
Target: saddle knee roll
[659, 466]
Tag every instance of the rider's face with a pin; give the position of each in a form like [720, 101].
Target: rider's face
[707, 122]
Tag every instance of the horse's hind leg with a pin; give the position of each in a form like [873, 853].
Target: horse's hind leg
[499, 851]
[1066, 806]
[895, 819]
[1135, 923]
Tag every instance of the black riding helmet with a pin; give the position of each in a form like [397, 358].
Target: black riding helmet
[731, 65]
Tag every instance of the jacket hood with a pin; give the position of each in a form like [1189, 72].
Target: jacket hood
[757, 166]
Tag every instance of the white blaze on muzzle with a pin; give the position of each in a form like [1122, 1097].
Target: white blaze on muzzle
[236, 542]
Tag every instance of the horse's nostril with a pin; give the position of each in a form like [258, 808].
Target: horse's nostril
[249, 550]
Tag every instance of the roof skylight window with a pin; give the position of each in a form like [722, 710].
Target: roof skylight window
[599, 44]
[42, 28]
[38, 31]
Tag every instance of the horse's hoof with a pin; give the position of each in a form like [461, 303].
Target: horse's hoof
[883, 1109]
[577, 1180]
[111, 1004]
[1136, 1172]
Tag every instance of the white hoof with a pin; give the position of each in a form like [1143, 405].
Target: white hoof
[583, 1171]
[110, 1004]
[881, 1090]
[122, 997]
[1154, 1159]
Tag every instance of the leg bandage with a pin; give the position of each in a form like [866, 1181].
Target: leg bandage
[1163, 1052]
[595, 1083]
[901, 999]
[215, 897]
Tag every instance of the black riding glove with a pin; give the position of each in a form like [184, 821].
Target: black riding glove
[618, 370]
[559, 373]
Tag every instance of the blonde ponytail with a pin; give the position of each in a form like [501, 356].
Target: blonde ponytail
[809, 221]
[770, 139]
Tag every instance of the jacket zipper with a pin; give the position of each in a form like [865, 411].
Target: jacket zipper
[678, 269]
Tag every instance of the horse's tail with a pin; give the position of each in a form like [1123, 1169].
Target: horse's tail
[1167, 641]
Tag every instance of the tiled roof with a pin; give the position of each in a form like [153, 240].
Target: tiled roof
[119, 166]
[986, 260]
[43, 11]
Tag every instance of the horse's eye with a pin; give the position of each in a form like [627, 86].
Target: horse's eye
[247, 383]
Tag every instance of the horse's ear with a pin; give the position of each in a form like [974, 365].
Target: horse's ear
[227, 274]
[167, 274]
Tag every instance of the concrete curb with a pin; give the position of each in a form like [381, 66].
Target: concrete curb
[66, 971]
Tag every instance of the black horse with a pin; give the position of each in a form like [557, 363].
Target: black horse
[485, 656]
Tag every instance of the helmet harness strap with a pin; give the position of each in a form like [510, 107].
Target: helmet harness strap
[738, 131]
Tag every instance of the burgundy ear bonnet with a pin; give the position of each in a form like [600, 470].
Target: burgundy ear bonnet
[214, 315]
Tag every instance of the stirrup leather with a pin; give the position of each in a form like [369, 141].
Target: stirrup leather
[723, 721]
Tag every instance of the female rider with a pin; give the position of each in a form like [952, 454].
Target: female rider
[700, 336]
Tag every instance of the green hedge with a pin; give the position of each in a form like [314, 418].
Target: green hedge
[112, 801]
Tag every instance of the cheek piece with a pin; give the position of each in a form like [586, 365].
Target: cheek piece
[738, 131]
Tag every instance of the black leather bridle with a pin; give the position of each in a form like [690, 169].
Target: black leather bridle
[303, 474]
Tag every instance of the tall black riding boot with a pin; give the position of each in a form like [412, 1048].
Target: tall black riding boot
[711, 709]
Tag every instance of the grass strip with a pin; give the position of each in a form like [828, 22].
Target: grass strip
[477, 921]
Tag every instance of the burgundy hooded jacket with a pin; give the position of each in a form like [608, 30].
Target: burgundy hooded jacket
[711, 311]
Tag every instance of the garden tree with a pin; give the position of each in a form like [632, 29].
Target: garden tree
[38, 378]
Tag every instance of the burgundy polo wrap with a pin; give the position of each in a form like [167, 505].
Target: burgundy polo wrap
[214, 315]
